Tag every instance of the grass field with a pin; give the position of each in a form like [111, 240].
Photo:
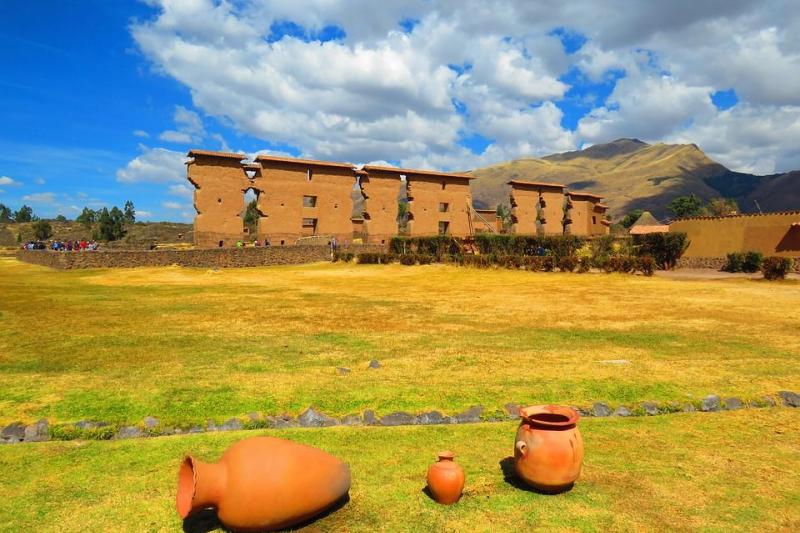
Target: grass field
[731, 471]
[185, 345]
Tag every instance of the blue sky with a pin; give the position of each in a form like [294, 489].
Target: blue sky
[102, 99]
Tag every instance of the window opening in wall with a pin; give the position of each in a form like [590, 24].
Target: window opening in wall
[309, 201]
[250, 215]
[403, 206]
[443, 227]
[309, 174]
[221, 244]
[443, 207]
[309, 226]
[594, 220]
[444, 183]
[282, 241]
[219, 200]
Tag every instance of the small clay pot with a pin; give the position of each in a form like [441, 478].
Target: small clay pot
[548, 453]
[263, 483]
[445, 479]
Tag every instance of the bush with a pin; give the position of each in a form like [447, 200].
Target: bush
[479, 261]
[425, 259]
[776, 267]
[752, 262]
[42, 230]
[345, 257]
[548, 263]
[408, 259]
[385, 259]
[664, 248]
[584, 263]
[516, 245]
[646, 265]
[568, 263]
[437, 245]
[368, 258]
[734, 263]
[534, 263]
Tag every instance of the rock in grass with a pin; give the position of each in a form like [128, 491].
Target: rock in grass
[622, 411]
[433, 417]
[512, 409]
[352, 420]
[790, 399]
[473, 414]
[232, 424]
[651, 408]
[601, 409]
[311, 418]
[150, 422]
[342, 370]
[129, 432]
[731, 404]
[710, 403]
[369, 418]
[374, 364]
[14, 432]
[689, 408]
[398, 418]
[38, 432]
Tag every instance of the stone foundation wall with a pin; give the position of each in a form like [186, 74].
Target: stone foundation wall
[202, 258]
[715, 262]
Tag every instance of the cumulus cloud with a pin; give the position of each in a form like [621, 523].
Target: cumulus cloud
[40, 198]
[5, 180]
[154, 165]
[456, 69]
[141, 133]
[172, 205]
[183, 190]
[39, 181]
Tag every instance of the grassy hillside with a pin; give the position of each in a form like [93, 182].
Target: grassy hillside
[140, 235]
[632, 174]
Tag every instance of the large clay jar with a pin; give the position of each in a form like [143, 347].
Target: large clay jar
[548, 454]
[263, 483]
[445, 479]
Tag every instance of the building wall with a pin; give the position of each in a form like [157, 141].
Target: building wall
[218, 199]
[381, 191]
[426, 193]
[282, 187]
[583, 209]
[771, 234]
[524, 200]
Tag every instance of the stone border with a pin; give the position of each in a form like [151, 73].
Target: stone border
[151, 427]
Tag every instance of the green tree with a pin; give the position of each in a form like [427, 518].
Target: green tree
[111, 224]
[25, 214]
[87, 217]
[5, 214]
[42, 230]
[129, 213]
[251, 216]
[720, 207]
[687, 206]
[631, 218]
[504, 214]
[61, 218]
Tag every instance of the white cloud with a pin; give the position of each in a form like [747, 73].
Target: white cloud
[40, 198]
[5, 180]
[143, 215]
[172, 205]
[472, 67]
[184, 190]
[141, 133]
[154, 165]
[39, 181]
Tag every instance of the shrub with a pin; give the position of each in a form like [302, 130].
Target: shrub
[734, 263]
[385, 259]
[584, 263]
[752, 262]
[438, 245]
[627, 264]
[776, 267]
[343, 256]
[516, 245]
[42, 230]
[568, 263]
[665, 248]
[646, 265]
[534, 263]
[368, 258]
[425, 259]
[548, 263]
[479, 261]
[408, 259]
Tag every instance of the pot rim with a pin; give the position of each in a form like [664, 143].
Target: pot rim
[572, 416]
[187, 482]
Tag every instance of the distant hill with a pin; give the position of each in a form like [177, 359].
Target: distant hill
[140, 235]
[633, 174]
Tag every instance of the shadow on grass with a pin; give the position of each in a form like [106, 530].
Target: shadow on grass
[510, 476]
[206, 520]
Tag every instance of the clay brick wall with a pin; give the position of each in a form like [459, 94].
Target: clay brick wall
[380, 190]
[524, 200]
[771, 234]
[202, 258]
[220, 182]
[426, 193]
[283, 186]
[584, 208]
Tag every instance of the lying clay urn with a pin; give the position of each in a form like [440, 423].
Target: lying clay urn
[445, 479]
[262, 484]
[548, 454]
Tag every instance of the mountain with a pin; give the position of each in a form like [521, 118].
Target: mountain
[632, 174]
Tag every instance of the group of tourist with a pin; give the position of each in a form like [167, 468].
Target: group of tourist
[256, 243]
[62, 246]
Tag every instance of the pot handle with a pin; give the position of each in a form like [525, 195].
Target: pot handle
[522, 447]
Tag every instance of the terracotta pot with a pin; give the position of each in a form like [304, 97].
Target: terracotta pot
[548, 454]
[445, 479]
[263, 483]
